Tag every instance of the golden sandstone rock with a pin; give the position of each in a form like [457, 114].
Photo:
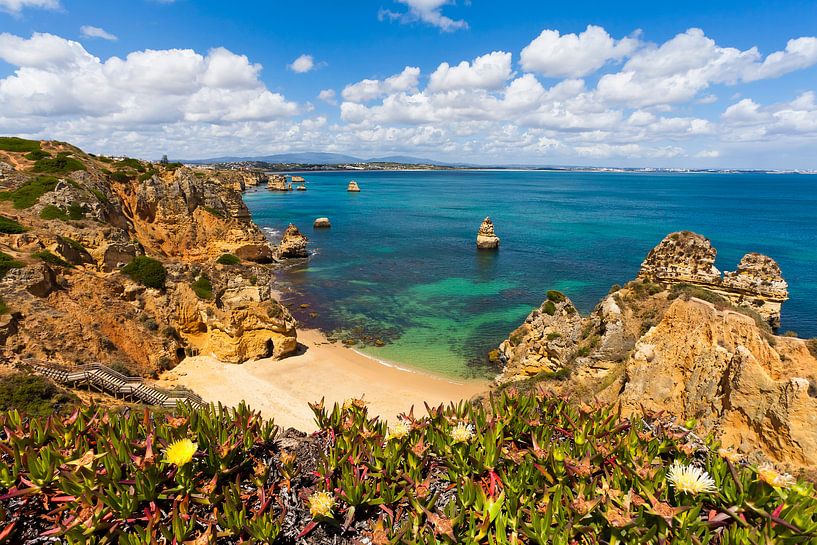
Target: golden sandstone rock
[656, 345]
[486, 238]
[353, 187]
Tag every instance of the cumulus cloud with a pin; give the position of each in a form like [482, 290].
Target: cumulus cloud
[426, 11]
[16, 6]
[370, 89]
[302, 64]
[58, 77]
[574, 55]
[489, 71]
[328, 96]
[88, 31]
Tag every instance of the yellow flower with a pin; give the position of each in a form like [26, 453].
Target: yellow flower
[772, 477]
[321, 504]
[399, 430]
[461, 433]
[181, 452]
[690, 479]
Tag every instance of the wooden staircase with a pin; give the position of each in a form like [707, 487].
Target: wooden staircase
[104, 379]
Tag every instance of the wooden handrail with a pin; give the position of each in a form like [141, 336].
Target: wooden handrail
[115, 383]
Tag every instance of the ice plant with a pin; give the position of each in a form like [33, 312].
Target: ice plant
[768, 474]
[181, 452]
[399, 430]
[690, 479]
[321, 504]
[461, 433]
[729, 454]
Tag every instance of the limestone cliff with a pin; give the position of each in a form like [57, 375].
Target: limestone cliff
[293, 244]
[486, 238]
[679, 347]
[687, 257]
[89, 216]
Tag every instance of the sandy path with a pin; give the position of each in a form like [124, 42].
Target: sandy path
[282, 389]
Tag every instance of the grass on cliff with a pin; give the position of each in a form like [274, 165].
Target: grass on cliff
[18, 145]
[51, 212]
[720, 302]
[147, 271]
[4, 307]
[57, 165]
[52, 259]
[34, 395]
[522, 468]
[10, 227]
[203, 288]
[30, 192]
[7, 263]
[228, 259]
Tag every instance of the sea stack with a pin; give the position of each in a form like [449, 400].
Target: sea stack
[486, 238]
[278, 182]
[293, 244]
[322, 223]
[353, 187]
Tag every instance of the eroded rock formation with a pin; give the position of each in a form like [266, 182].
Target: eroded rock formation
[73, 305]
[293, 244]
[486, 238]
[353, 187]
[321, 223]
[278, 182]
[689, 258]
[655, 344]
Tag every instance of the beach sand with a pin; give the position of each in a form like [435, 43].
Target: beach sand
[282, 389]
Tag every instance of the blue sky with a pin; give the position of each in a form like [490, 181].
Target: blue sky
[704, 84]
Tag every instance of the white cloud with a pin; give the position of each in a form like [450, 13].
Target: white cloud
[302, 64]
[56, 78]
[489, 71]
[570, 55]
[426, 11]
[88, 31]
[370, 89]
[708, 154]
[328, 96]
[16, 6]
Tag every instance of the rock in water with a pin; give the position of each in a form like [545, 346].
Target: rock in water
[322, 223]
[486, 239]
[278, 182]
[293, 244]
[353, 187]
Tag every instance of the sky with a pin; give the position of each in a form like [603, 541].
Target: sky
[723, 84]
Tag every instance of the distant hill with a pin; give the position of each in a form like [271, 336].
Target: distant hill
[320, 158]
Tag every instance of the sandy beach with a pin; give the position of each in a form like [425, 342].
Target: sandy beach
[283, 389]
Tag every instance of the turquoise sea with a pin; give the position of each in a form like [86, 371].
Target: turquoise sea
[400, 262]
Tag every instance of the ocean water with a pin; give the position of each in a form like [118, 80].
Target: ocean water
[400, 262]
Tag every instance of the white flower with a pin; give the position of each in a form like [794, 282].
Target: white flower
[461, 433]
[690, 479]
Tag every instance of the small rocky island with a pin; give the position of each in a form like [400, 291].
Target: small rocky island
[321, 223]
[353, 187]
[486, 238]
[278, 182]
[293, 244]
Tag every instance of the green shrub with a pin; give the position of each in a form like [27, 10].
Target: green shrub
[553, 335]
[228, 259]
[147, 271]
[73, 244]
[100, 196]
[147, 175]
[213, 211]
[51, 259]
[57, 165]
[121, 177]
[18, 145]
[51, 212]
[121, 368]
[30, 192]
[203, 288]
[33, 395]
[556, 296]
[10, 227]
[131, 163]
[7, 263]
[4, 308]
[688, 290]
[549, 308]
[36, 155]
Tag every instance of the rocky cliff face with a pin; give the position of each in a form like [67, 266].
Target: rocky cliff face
[293, 244]
[687, 257]
[68, 301]
[678, 347]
